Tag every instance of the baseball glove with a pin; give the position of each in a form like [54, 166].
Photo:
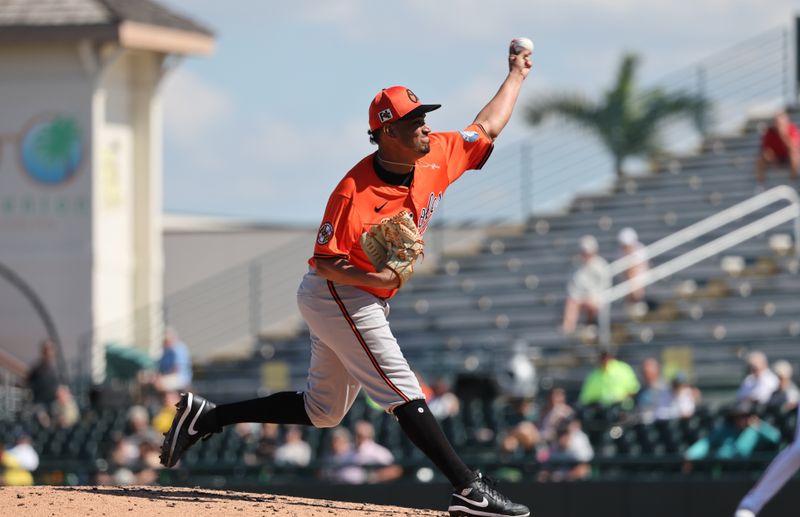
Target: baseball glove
[394, 243]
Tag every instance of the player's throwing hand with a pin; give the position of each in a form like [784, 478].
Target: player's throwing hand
[520, 51]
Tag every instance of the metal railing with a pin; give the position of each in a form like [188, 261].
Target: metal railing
[705, 251]
[12, 392]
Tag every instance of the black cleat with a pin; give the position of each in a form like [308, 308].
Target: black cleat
[478, 498]
[182, 434]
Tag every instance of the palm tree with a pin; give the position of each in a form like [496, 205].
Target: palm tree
[626, 122]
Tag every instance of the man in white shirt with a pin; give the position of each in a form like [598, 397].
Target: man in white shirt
[585, 286]
[759, 385]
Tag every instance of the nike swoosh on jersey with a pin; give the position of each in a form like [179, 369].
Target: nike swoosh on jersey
[479, 504]
[379, 208]
[192, 431]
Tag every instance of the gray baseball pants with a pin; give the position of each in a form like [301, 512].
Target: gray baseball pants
[352, 347]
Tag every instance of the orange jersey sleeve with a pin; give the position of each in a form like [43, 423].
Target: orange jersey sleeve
[464, 150]
[340, 228]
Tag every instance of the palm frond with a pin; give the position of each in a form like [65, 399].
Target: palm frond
[569, 106]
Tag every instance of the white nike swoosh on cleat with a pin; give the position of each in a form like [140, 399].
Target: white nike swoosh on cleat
[180, 424]
[481, 504]
[192, 431]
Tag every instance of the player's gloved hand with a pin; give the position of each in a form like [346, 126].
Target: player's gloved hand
[394, 244]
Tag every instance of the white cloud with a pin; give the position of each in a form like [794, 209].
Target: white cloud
[193, 108]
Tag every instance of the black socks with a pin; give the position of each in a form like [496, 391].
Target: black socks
[424, 431]
[285, 407]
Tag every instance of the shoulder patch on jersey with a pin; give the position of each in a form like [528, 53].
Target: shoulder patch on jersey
[325, 233]
[469, 136]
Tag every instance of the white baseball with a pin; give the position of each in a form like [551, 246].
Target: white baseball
[520, 44]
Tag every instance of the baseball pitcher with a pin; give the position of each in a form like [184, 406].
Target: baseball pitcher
[370, 237]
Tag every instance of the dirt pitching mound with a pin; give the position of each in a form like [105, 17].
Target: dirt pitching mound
[47, 501]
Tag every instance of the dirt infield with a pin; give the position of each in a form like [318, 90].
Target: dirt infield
[47, 501]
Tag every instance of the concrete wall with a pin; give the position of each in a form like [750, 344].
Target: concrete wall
[81, 227]
[45, 228]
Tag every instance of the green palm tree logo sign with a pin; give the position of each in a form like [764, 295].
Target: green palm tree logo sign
[51, 150]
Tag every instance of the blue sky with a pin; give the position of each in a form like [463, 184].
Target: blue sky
[266, 126]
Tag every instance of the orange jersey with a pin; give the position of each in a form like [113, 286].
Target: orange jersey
[363, 198]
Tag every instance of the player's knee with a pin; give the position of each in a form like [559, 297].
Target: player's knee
[327, 420]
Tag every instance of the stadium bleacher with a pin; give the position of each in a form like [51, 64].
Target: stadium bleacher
[509, 296]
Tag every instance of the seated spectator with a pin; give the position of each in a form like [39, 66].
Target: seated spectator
[149, 464]
[652, 392]
[166, 413]
[739, 437]
[443, 402]
[568, 459]
[175, 365]
[23, 451]
[760, 383]
[369, 453]
[426, 390]
[266, 446]
[64, 411]
[11, 473]
[780, 146]
[43, 381]
[139, 430]
[585, 286]
[522, 435]
[294, 452]
[122, 460]
[341, 462]
[555, 411]
[43, 378]
[629, 244]
[611, 382]
[787, 395]
[679, 401]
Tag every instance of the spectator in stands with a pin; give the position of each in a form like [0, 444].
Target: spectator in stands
[64, 411]
[443, 402]
[163, 417]
[652, 392]
[148, 465]
[341, 463]
[611, 382]
[780, 146]
[787, 395]
[426, 389]
[294, 451]
[378, 458]
[123, 458]
[267, 443]
[679, 401]
[11, 473]
[630, 246]
[555, 411]
[522, 435]
[568, 459]
[139, 430]
[175, 365]
[23, 451]
[585, 286]
[760, 383]
[43, 380]
[739, 437]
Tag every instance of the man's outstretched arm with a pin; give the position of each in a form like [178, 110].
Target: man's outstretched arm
[495, 115]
